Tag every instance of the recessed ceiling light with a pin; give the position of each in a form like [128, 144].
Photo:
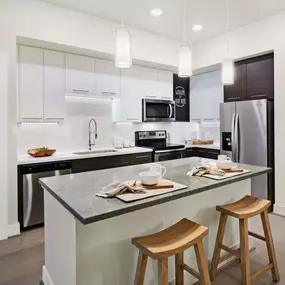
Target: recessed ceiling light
[197, 28]
[156, 12]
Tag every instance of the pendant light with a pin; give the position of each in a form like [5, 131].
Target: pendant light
[123, 55]
[185, 52]
[228, 73]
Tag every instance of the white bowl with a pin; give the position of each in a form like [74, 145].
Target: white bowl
[225, 164]
[149, 178]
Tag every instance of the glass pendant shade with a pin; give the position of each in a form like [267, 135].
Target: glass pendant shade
[185, 61]
[123, 56]
[228, 74]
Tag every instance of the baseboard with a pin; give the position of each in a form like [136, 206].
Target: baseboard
[13, 230]
[46, 278]
[279, 210]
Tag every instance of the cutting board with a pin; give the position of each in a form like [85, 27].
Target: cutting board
[131, 197]
[162, 184]
[227, 175]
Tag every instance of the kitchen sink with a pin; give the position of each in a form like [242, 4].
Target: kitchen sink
[95, 151]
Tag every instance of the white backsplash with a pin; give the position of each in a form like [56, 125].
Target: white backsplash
[72, 133]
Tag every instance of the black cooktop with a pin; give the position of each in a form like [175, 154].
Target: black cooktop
[164, 146]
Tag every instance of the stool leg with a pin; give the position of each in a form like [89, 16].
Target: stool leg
[270, 246]
[202, 263]
[141, 267]
[163, 271]
[219, 241]
[244, 252]
[179, 271]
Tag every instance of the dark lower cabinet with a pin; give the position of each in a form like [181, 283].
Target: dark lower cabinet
[202, 152]
[98, 163]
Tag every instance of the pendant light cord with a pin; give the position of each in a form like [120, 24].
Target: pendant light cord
[227, 25]
[184, 22]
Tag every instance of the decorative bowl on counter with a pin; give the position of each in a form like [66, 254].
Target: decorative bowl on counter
[41, 152]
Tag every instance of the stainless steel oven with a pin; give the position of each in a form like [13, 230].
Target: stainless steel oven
[163, 155]
[158, 110]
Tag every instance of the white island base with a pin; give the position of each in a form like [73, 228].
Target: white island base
[101, 253]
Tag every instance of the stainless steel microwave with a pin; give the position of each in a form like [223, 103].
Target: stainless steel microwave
[158, 110]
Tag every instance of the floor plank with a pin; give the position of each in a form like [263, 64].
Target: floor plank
[22, 257]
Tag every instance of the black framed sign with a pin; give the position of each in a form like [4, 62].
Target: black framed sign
[181, 96]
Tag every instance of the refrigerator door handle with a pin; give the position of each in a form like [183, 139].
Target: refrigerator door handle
[233, 137]
[237, 138]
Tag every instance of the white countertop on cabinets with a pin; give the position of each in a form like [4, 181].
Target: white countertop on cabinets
[209, 146]
[69, 155]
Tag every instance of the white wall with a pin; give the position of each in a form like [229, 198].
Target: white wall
[41, 21]
[3, 145]
[267, 34]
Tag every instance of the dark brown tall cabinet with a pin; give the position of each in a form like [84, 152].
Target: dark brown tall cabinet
[254, 79]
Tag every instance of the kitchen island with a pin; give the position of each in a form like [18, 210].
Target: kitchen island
[88, 238]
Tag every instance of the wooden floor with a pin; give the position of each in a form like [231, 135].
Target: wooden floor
[22, 258]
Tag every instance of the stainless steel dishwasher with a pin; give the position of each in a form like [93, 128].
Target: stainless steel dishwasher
[32, 193]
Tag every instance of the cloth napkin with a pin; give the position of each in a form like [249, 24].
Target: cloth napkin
[118, 188]
[205, 169]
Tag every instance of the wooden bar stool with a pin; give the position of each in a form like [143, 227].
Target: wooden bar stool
[173, 241]
[244, 209]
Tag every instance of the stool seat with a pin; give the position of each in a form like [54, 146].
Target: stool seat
[172, 240]
[245, 208]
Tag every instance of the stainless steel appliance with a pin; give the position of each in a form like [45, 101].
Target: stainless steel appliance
[158, 110]
[247, 136]
[32, 195]
[161, 149]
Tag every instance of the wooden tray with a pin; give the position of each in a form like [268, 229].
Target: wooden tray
[131, 197]
[227, 175]
[162, 184]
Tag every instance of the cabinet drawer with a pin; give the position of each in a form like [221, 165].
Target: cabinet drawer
[190, 152]
[141, 158]
[98, 163]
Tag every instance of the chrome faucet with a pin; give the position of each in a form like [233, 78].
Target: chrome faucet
[92, 132]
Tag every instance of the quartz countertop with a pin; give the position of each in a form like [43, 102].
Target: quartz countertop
[69, 155]
[76, 192]
[209, 146]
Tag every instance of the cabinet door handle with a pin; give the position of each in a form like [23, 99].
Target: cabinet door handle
[233, 98]
[164, 97]
[132, 119]
[111, 93]
[81, 90]
[196, 120]
[257, 96]
[151, 96]
[208, 120]
[142, 156]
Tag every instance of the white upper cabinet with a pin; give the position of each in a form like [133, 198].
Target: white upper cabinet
[129, 107]
[54, 85]
[206, 94]
[80, 74]
[165, 84]
[30, 81]
[148, 78]
[107, 78]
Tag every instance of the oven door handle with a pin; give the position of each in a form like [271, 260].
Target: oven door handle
[169, 150]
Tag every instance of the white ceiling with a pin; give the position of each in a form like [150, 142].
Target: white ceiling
[209, 13]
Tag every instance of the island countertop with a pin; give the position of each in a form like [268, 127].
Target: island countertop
[76, 192]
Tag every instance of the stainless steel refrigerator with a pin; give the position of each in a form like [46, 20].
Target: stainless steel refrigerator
[247, 136]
